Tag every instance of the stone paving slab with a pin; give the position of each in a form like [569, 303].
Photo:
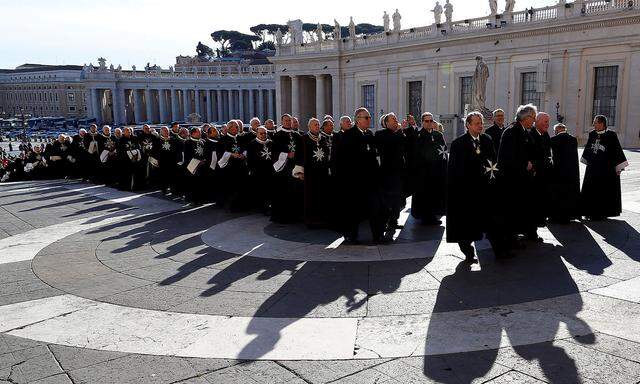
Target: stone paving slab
[561, 312]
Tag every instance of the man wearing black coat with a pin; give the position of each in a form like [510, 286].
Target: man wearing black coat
[515, 161]
[543, 165]
[358, 168]
[495, 131]
[391, 143]
[564, 182]
[471, 178]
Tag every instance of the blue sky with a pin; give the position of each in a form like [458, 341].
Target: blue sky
[137, 32]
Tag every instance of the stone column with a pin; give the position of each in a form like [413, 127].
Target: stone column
[320, 111]
[148, 102]
[162, 106]
[117, 96]
[186, 104]
[220, 116]
[96, 105]
[251, 109]
[209, 105]
[231, 104]
[241, 104]
[270, 113]
[137, 106]
[175, 111]
[295, 96]
[196, 101]
[279, 98]
[260, 104]
[335, 96]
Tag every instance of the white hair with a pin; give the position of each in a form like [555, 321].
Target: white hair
[499, 110]
[254, 119]
[559, 126]
[526, 110]
[345, 118]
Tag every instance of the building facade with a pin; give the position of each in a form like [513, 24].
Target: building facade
[214, 93]
[43, 90]
[573, 60]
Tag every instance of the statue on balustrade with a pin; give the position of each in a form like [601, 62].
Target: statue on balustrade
[437, 13]
[508, 8]
[319, 32]
[337, 30]
[278, 37]
[493, 5]
[385, 21]
[479, 87]
[396, 20]
[448, 12]
[352, 29]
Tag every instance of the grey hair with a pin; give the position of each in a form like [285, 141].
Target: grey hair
[498, 111]
[526, 110]
[560, 126]
[470, 115]
[385, 117]
[311, 120]
[345, 118]
[254, 119]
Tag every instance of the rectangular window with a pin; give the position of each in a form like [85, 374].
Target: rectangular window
[529, 95]
[605, 93]
[71, 97]
[72, 109]
[369, 100]
[414, 96]
[466, 84]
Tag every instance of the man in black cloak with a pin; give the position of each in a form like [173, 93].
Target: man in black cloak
[428, 173]
[472, 174]
[601, 195]
[564, 183]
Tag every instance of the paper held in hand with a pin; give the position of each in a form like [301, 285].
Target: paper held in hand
[55, 158]
[193, 166]
[93, 147]
[153, 161]
[104, 156]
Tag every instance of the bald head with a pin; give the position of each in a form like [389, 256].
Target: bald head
[542, 122]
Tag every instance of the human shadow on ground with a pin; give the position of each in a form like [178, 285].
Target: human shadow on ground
[537, 273]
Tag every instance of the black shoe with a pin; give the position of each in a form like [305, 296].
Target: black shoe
[382, 241]
[534, 238]
[350, 241]
[504, 255]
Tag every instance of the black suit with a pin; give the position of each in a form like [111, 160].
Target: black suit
[564, 182]
[358, 168]
[495, 132]
[516, 182]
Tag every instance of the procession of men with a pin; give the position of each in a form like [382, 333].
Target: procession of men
[501, 185]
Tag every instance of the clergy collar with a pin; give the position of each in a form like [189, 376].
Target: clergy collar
[326, 134]
[232, 136]
[212, 140]
[539, 133]
[425, 129]
[283, 129]
[361, 130]
[194, 139]
[105, 136]
[603, 131]
[472, 137]
[313, 137]
[560, 133]
[165, 138]
[262, 141]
